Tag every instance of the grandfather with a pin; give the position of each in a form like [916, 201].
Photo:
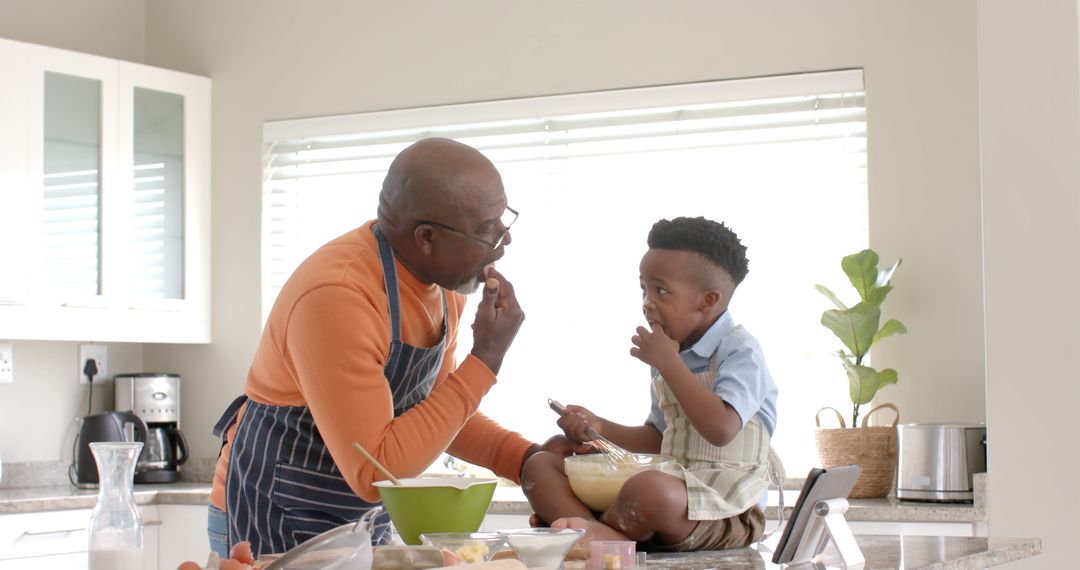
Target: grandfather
[359, 347]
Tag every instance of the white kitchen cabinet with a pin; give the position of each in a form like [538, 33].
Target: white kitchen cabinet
[898, 528]
[29, 537]
[14, 119]
[918, 528]
[182, 535]
[106, 188]
[59, 539]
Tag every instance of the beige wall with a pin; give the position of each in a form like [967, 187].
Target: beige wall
[1029, 83]
[270, 60]
[110, 28]
[37, 412]
[926, 71]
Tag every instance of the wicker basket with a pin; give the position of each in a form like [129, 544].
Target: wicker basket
[873, 449]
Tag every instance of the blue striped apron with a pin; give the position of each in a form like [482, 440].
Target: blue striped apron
[283, 486]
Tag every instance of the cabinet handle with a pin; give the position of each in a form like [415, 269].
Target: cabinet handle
[44, 532]
[83, 306]
[67, 530]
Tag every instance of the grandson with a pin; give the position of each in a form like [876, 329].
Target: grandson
[713, 408]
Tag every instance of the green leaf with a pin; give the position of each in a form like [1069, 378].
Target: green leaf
[831, 296]
[891, 327]
[864, 382]
[887, 376]
[861, 269]
[877, 295]
[855, 327]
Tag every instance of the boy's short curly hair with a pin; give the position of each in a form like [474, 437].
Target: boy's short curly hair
[712, 240]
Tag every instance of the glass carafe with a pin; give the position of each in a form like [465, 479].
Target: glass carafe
[116, 530]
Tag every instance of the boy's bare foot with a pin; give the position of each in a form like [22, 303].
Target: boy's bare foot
[594, 530]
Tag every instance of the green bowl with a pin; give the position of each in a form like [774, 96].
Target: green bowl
[436, 504]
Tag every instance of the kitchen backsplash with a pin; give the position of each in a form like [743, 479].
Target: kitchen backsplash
[28, 474]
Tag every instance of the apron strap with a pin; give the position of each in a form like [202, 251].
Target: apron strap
[386, 255]
[229, 417]
[777, 474]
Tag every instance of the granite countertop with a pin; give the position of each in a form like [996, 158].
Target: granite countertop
[37, 499]
[512, 502]
[508, 499]
[881, 552]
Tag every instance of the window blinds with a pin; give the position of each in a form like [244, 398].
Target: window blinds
[824, 110]
[790, 119]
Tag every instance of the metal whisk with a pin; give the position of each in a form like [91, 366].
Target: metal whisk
[611, 452]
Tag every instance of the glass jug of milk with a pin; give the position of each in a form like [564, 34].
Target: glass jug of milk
[116, 530]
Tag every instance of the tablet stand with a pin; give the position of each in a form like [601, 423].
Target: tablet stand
[825, 523]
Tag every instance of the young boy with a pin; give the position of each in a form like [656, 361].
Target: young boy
[713, 408]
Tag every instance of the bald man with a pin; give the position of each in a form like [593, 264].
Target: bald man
[359, 346]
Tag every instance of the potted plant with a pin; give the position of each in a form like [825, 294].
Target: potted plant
[857, 327]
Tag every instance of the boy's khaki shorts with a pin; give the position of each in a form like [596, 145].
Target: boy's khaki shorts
[734, 532]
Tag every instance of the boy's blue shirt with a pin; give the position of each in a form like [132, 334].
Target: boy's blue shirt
[742, 378]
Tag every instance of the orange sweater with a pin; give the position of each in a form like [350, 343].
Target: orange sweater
[325, 345]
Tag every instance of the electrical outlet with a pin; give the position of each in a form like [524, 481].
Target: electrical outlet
[100, 354]
[7, 364]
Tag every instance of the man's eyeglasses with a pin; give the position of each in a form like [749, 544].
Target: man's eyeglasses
[508, 218]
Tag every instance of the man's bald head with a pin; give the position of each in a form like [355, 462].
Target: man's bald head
[434, 178]
[438, 199]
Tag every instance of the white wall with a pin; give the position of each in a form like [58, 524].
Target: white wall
[1029, 87]
[272, 60]
[37, 411]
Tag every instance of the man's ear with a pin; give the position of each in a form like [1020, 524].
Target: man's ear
[423, 236]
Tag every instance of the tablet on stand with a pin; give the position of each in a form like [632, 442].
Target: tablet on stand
[817, 518]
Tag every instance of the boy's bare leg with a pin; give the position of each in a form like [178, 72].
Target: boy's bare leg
[544, 482]
[651, 506]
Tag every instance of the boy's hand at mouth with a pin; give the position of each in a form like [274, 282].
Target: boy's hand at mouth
[654, 347]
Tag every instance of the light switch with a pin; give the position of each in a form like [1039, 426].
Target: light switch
[7, 363]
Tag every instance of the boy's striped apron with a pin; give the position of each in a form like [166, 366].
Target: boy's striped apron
[721, 482]
[283, 486]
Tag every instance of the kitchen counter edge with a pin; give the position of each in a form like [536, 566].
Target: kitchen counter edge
[508, 500]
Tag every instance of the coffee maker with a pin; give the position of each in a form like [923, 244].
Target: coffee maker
[106, 426]
[155, 398]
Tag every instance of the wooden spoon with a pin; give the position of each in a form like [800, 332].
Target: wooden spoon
[376, 463]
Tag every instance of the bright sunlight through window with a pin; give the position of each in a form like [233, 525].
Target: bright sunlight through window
[781, 160]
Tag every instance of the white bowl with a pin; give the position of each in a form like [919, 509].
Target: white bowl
[542, 547]
[467, 547]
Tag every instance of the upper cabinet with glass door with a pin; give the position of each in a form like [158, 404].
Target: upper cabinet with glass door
[165, 159]
[111, 200]
[14, 118]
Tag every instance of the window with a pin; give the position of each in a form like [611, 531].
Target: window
[781, 160]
